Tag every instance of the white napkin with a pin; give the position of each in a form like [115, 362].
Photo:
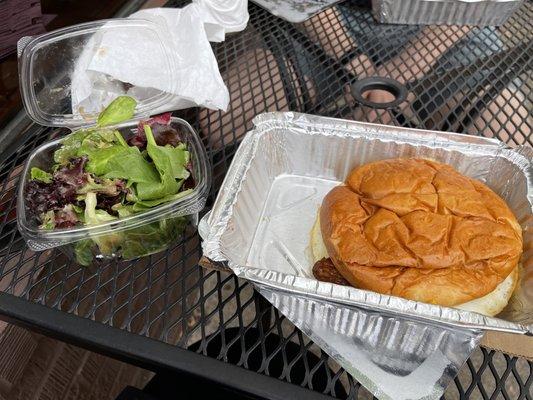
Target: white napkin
[130, 55]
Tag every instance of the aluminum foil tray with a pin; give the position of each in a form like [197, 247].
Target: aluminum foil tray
[449, 12]
[261, 220]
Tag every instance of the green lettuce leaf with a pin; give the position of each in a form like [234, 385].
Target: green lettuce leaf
[98, 158]
[69, 146]
[120, 109]
[179, 158]
[153, 237]
[120, 162]
[133, 243]
[162, 159]
[92, 215]
[99, 138]
[40, 175]
[107, 243]
[131, 196]
[106, 186]
[132, 166]
[123, 210]
[48, 220]
[80, 212]
[120, 139]
[86, 138]
[83, 252]
[142, 205]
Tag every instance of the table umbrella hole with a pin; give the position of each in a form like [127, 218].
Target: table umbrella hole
[378, 92]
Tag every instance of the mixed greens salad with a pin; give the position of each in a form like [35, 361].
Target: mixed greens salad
[100, 176]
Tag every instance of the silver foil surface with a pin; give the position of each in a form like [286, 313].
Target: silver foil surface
[392, 357]
[448, 12]
[260, 227]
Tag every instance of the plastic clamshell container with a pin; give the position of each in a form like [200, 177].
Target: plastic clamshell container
[46, 66]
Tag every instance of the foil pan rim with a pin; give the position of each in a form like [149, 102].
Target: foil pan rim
[359, 298]
[265, 121]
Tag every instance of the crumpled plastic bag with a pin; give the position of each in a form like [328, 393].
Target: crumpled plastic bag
[133, 57]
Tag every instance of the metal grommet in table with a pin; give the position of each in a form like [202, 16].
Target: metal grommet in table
[379, 83]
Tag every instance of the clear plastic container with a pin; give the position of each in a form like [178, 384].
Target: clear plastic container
[47, 64]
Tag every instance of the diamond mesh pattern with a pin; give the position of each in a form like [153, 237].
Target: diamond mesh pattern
[470, 80]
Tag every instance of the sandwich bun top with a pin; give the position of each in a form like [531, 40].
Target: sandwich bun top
[491, 304]
[419, 229]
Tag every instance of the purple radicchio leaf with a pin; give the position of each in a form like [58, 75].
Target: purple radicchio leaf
[66, 217]
[41, 197]
[163, 133]
[106, 202]
[73, 174]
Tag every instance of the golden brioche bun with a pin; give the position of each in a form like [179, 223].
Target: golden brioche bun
[419, 229]
[491, 304]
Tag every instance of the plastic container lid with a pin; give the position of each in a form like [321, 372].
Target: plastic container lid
[62, 73]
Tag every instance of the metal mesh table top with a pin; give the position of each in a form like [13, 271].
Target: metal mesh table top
[470, 80]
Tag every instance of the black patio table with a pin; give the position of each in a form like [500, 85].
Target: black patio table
[165, 312]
